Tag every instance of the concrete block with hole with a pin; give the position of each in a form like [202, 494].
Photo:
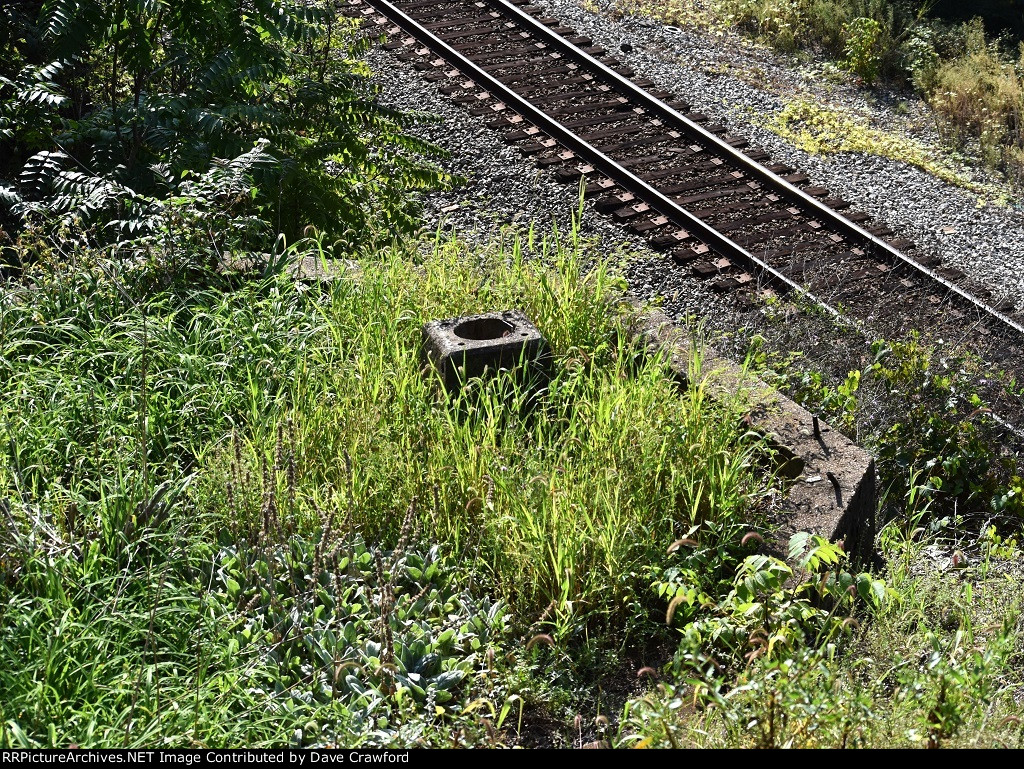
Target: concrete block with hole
[472, 346]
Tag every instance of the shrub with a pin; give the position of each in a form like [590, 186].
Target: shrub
[122, 101]
[921, 58]
[861, 51]
[779, 21]
[979, 96]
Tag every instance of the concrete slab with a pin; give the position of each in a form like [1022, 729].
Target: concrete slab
[308, 271]
[832, 493]
[313, 270]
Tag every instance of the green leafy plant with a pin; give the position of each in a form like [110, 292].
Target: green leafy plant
[762, 657]
[921, 58]
[943, 433]
[766, 615]
[861, 51]
[122, 101]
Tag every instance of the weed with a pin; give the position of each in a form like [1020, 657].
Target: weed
[861, 50]
[764, 662]
[822, 131]
[979, 96]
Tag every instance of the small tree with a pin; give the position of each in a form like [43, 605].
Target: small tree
[123, 99]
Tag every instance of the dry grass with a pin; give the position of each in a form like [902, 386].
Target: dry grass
[978, 99]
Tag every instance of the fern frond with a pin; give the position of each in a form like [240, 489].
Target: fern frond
[71, 25]
[10, 199]
[39, 172]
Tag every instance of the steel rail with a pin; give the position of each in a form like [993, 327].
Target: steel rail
[755, 169]
[624, 178]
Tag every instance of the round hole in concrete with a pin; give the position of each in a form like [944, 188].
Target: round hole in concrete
[483, 328]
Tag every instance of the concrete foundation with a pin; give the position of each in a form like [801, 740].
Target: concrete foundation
[462, 348]
[832, 490]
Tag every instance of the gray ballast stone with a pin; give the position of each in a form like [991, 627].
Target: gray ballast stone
[472, 346]
[832, 490]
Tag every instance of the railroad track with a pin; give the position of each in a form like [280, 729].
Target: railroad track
[721, 208]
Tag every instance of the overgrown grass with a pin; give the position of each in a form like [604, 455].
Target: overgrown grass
[181, 639]
[979, 98]
[242, 514]
[929, 659]
[238, 511]
[563, 500]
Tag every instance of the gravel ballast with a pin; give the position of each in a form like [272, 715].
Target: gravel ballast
[505, 190]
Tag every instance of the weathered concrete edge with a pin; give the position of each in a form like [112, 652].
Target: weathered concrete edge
[833, 491]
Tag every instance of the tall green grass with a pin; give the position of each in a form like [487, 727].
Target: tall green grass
[561, 501]
[244, 513]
